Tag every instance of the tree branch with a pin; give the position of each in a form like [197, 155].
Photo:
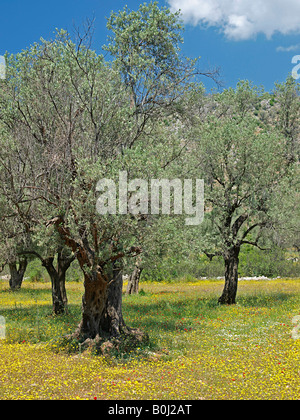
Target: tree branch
[261, 224]
[255, 244]
[238, 223]
[32, 253]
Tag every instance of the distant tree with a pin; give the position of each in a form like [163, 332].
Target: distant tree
[288, 103]
[28, 164]
[12, 236]
[244, 166]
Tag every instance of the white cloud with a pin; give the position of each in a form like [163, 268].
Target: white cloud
[288, 49]
[242, 19]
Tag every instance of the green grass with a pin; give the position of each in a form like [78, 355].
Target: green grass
[198, 348]
[28, 312]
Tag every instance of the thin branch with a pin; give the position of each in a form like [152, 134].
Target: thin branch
[255, 244]
[261, 224]
[238, 223]
[32, 253]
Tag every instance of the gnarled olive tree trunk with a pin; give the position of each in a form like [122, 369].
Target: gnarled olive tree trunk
[102, 324]
[93, 304]
[102, 318]
[112, 322]
[102, 306]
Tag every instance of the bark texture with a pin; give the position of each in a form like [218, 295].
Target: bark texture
[93, 305]
[112, 322]
[103, 326]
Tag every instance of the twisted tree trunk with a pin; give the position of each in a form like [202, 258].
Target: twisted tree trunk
[102, 307]
[102, 324]
[93, 305]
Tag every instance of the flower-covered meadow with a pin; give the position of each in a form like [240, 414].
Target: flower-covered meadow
[198, 350]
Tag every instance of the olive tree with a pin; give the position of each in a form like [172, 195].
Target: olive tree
[287, 97]
[244, 165]
[71, 115]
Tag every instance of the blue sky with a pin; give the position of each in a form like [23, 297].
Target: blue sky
[253, 40]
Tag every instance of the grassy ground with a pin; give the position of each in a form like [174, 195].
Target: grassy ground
[199, 350]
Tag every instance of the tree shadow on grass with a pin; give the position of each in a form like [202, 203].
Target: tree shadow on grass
[36, 324]
[264, 300]
[27, 291]
[168, 315]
